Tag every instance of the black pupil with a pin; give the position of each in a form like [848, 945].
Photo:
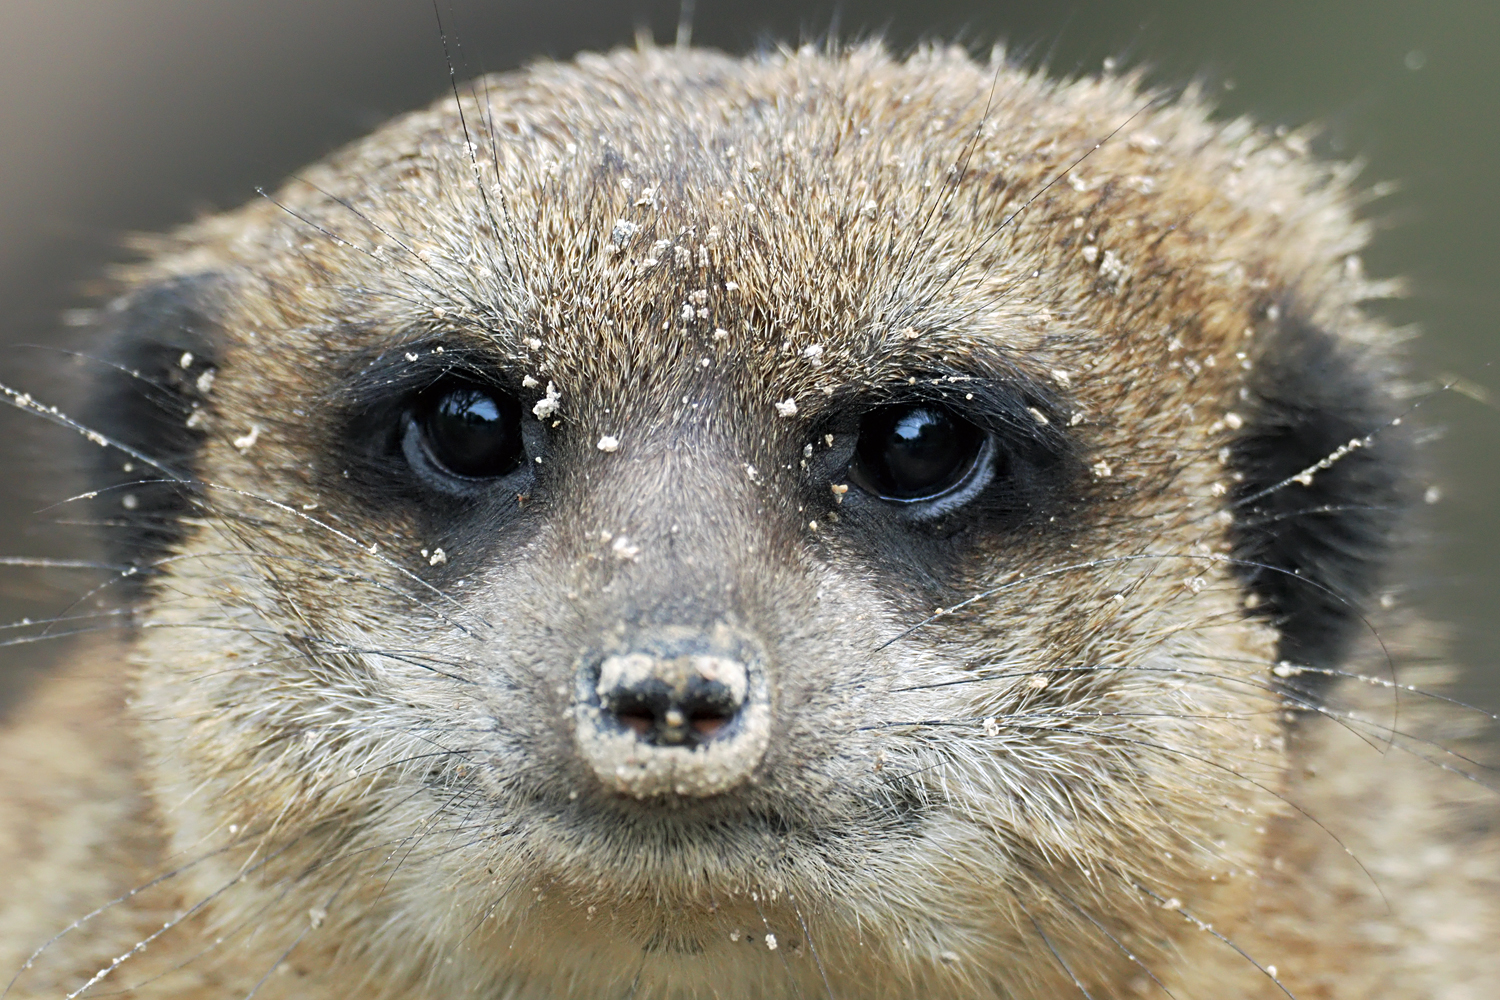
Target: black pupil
[474, 432]
[914, 452]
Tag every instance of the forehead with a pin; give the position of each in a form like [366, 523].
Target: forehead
[635, 227]
[793, 228]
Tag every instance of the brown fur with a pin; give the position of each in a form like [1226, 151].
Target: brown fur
[360, 770]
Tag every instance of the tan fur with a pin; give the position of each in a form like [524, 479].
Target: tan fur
[345, 821]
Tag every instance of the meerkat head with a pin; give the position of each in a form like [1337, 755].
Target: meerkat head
[668, 519]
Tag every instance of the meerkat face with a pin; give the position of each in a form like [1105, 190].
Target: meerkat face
[659, 510]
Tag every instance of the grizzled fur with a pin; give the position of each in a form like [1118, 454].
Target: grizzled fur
[1040, 745]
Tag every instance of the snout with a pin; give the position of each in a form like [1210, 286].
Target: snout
[674, 710]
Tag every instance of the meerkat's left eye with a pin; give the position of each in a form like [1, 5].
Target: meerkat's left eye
[471, 431]
[917, 452]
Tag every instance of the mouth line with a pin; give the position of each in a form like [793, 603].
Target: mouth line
[678, 828]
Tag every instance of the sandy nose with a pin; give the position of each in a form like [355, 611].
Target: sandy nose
[682, 712]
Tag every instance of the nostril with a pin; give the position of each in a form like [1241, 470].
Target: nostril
[708, 725]
[637, 722]
[631, 708]
[672, 701]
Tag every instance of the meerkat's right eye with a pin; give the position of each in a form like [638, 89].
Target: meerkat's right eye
[470, 432]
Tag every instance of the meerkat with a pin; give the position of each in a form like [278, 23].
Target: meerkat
[814, 525]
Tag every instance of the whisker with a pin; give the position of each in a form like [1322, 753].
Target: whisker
[1305, 476]
[786, 966]
[140, 946]
[450, 294]
[1011, 723]
[1202, 926]
[968, 259]
[40, 562]
[26, 403]
[27, 640]
[251, 920]
[337, 570]
[811, 946]
[1257, 688]
[306, 930]
[60, 619]
[947, 192]
[488, 911]
[1109, 560]
[1020, 578]
[97, 911]
[1293, 669]
[370, 551]
[1133, 958]
[419, 834]
[1050, 946]
[1238, 775]
[343, 647]
[1350, 720]
[472, 149]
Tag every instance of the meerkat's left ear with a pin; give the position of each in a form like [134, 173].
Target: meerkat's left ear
[1326, 473]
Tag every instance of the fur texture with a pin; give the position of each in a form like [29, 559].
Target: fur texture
[1039, 744]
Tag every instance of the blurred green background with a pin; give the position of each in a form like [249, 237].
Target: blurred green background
[128, 115]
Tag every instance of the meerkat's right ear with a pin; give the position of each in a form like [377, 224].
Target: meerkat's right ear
[160, 357]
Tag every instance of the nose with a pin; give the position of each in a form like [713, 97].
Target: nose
[675, 710]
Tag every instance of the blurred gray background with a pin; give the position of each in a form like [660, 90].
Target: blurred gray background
[129, 115]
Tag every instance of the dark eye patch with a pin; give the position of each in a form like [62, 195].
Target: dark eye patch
[425, 421]
[981, 448]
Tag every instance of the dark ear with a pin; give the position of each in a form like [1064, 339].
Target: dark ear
[1313, 550]
[159, 355]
